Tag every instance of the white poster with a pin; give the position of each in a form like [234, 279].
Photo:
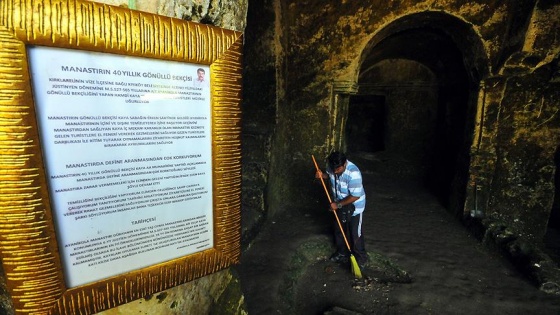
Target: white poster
[127, 147]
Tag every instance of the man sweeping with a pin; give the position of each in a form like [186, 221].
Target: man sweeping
[349, 201]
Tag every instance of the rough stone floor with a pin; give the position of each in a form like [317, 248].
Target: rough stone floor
[422, 260]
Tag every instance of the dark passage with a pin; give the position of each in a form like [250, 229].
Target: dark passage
[367, 117]
[425, 117]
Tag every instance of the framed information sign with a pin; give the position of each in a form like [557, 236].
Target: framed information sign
[120, 164]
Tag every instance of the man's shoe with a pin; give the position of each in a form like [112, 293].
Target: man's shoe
[338, 257]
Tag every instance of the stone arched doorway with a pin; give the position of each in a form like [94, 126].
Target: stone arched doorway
[416, 101]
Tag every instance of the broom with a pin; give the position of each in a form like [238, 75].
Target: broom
[354, 264]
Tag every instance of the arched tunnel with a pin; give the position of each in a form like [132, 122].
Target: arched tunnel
[416, 102]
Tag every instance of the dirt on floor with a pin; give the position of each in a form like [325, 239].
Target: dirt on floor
[422, 261]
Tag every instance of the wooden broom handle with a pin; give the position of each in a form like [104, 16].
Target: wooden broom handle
[322, 181]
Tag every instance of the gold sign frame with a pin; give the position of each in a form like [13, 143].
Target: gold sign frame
[28, 244]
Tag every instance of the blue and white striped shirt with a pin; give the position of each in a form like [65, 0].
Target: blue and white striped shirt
[349, 183]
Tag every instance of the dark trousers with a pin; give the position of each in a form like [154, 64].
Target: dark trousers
[352, 229]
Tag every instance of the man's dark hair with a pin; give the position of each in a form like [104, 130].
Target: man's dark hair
[336, 159]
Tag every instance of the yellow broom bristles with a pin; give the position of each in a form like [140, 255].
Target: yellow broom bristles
[355, 268]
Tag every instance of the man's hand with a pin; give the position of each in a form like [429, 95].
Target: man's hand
[320, 175]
